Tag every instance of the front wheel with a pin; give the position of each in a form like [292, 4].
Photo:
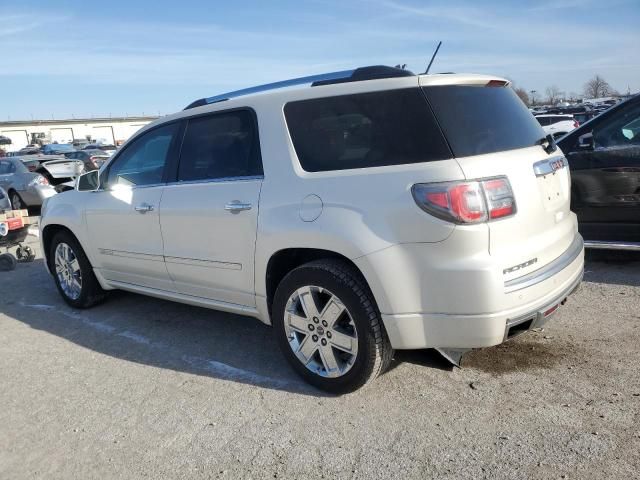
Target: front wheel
[329, 328]
[73, 273]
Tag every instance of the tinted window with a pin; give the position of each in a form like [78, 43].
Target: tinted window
[621, 129]
[6, 167]
[479, 120]
[365, 130]
[144, 161]
[544, 121]
[223, 145]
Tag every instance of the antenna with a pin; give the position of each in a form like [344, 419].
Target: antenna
[433, 58]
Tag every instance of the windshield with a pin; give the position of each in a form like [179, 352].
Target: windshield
[478, 120]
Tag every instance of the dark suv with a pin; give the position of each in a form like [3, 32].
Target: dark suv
[604, 157]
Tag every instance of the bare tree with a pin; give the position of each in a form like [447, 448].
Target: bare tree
[522, 93]
[553, 94]
[597, 87]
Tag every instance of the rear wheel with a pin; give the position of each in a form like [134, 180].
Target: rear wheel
[73, 273]
[329, 328]
[16, 201]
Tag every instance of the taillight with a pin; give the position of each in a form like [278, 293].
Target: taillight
[499, 197]
[576, 124]
[467, 202]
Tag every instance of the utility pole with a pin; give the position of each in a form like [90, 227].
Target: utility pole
[533, 97]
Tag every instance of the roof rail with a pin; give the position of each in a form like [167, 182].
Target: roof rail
[356, 75]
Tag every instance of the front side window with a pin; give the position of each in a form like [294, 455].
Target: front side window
[622, 129]
[144, 161]
[376, 129]
[223, 145]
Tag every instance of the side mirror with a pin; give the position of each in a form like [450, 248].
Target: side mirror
[585, 142]
[89, 182]
[78, 168]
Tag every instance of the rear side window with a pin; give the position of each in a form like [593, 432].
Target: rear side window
[544, 121]
[392, 127]
[223, 145]
[478, 119]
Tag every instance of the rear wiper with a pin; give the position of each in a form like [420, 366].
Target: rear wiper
[550, 143]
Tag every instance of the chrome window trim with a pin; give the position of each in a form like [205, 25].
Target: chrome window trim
[216, 180]
[549, 270]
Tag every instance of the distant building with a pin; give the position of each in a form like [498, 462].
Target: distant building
[112, 131]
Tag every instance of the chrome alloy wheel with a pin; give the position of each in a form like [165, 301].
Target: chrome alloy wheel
[321, 331]
[68, 271]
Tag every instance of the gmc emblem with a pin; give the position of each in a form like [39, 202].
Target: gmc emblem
[556, 164]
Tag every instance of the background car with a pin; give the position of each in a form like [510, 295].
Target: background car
[57, 148]
[557, 125]
[25, 188]
[604, 158]
[109, 149]
[93, 159]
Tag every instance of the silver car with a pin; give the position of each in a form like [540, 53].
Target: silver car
[25, 188]
[4, 201]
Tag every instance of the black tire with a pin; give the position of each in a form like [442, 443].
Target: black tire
[90, 293]
[16, 201]
[343, 280]
[7, 262]
[25, 254]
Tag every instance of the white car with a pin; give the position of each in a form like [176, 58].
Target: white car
[556, 124]
[357, 212]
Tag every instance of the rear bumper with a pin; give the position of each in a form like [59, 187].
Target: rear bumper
[528, 304]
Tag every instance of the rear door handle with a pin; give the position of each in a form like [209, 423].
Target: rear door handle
[237, 206]
[144, 208]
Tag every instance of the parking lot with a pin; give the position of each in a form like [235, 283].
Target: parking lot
[143, 388]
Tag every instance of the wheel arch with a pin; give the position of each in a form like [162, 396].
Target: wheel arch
[284, 261]
[48, 233]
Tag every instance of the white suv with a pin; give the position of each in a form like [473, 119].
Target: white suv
[557, 125]
[357, 212]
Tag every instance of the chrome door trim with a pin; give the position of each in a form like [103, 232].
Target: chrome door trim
[135, 255]
[203, 263]
[603, 245]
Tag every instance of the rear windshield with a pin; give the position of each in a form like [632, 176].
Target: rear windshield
[375, 129]
[479, 120]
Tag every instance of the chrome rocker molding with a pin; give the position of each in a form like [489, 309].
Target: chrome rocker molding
[600, 245]
[547, 271]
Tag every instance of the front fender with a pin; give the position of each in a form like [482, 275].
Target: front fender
[65, 210]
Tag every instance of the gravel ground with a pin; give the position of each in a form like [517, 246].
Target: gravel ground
[140, 388]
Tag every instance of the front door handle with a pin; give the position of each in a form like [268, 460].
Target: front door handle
[144, 208]
[237, 206]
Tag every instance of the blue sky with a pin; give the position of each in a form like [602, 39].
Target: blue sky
[102, 57]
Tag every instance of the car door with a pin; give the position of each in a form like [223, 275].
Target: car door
[605, 163]
[122, 217]
[6, 174]
[209, 213]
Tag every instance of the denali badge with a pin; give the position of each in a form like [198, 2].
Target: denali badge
[519, 267]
